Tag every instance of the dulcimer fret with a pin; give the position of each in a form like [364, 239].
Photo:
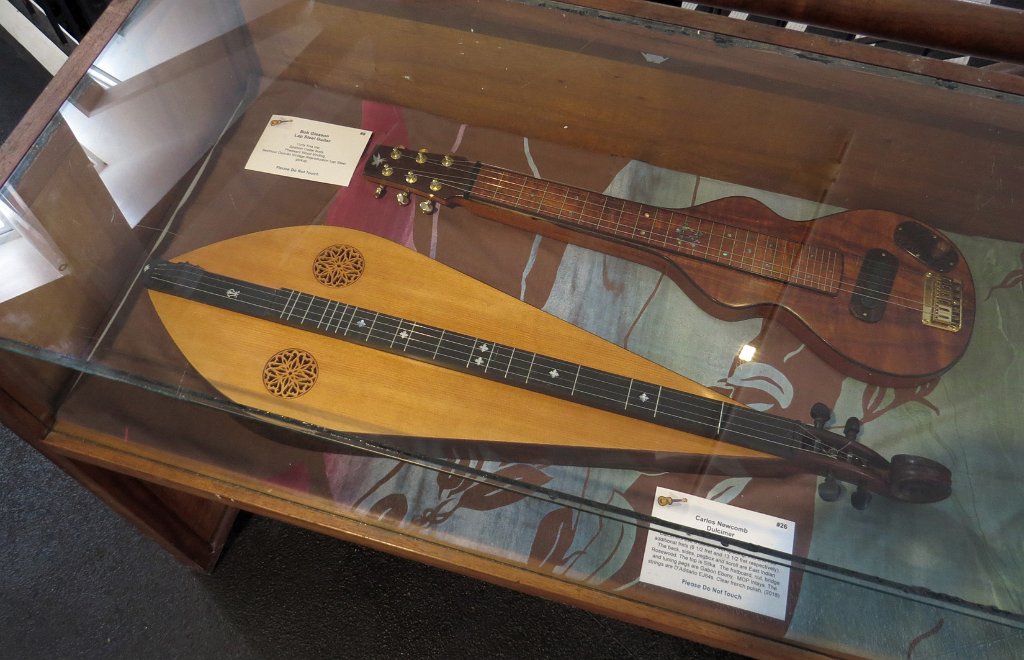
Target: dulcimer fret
[498, 362]
[910, 478]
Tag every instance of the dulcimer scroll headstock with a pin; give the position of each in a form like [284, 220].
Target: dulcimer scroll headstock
[440, 178]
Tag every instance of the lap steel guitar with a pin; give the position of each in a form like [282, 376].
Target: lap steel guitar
[879, 296]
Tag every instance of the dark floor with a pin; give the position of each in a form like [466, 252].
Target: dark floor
[21, 80]
[75, 580]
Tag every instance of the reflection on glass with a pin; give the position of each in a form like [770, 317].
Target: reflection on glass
[747, 353]
[141, 133]
[28, 258]
[102, 78]
[6, 231]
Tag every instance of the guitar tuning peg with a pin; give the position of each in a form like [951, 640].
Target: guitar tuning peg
[860, 498]
[402, 198]
[396, 153]
[426, 207]
[820, 413]
[379, 191]
[387, 170]
[447, 160]
[421, 156]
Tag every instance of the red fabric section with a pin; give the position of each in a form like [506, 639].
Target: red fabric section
[296, 478]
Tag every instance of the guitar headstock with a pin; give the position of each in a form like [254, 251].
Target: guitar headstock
[434, 177]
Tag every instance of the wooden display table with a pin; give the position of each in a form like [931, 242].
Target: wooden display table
[138, 151]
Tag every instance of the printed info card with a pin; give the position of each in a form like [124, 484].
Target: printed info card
[711, 571]
[307, 149]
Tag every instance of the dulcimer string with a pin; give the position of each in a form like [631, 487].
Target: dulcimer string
[692, 408]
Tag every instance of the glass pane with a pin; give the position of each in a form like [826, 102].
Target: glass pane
[572, 290]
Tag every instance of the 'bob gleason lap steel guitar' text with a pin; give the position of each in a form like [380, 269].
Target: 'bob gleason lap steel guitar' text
[877, 295]
[350, 331]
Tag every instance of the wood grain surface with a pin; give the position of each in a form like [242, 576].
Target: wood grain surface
[363, 390]
[204, 480]
[738, 259]
[970, 28]
[846, 135]
[898, 351]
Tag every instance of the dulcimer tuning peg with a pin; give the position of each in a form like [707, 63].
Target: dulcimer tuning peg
[820, 413]
[860, 498]
[830, 490]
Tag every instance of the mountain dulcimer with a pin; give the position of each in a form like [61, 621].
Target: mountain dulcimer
[352, 332]
[879, 296]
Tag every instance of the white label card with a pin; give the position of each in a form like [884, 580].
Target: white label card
[714, 572]
[306, 149]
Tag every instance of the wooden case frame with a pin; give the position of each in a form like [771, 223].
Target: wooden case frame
[189, 508]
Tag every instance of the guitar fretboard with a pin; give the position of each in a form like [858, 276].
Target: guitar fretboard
[596, 388]
[808, 266]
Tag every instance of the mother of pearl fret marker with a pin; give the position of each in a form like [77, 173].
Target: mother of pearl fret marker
[453, 358]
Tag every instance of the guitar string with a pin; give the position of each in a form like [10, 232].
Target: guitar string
[761, 422]
[874, 287]
[879, 294]
[505, 192]
[465, 186]
[773, 269]
[795, 273]
[777, 272]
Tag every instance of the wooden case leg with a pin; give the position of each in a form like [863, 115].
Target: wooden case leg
[190, 528]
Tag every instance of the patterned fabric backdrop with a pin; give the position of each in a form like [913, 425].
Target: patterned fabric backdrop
[969, 419]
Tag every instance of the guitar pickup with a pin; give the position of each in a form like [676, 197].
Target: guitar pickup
[874, 284]
[943, 302]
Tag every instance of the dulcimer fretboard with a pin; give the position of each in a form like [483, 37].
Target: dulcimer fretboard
[515, 366]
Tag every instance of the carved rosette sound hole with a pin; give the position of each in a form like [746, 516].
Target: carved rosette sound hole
[338, 265]
[290, 373]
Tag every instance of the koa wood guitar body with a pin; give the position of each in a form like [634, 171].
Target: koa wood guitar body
[879, 296]
[351, 332]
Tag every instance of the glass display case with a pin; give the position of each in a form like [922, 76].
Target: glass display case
[716, 332]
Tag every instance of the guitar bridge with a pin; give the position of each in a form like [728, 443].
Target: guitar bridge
[943, 302]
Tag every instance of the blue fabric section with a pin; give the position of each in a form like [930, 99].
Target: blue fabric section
[968, 546]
